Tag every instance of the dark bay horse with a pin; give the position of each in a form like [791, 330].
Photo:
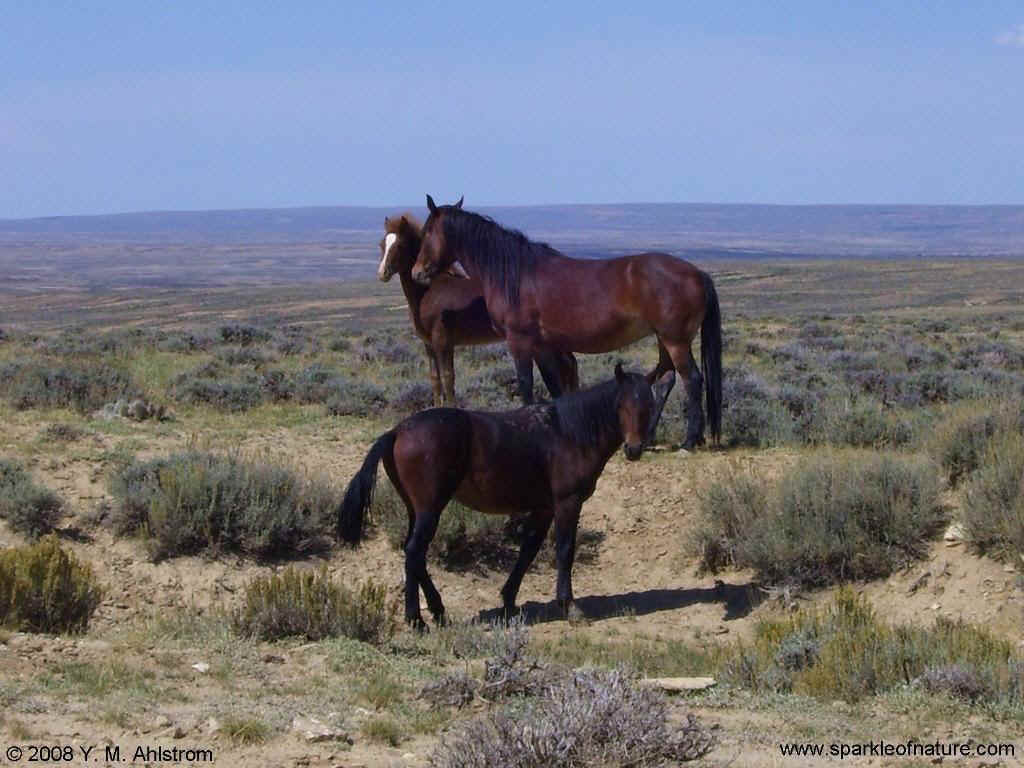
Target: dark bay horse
[451, 312]
[537, 297]
[543, 460]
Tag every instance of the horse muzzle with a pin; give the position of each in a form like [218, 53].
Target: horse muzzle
[633, 452]
[423, 275]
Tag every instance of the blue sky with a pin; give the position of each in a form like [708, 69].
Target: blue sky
[125, 106]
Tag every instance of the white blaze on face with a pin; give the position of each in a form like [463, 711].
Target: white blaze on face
[389, 241]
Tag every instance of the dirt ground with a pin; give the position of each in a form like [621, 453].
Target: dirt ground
[642, 583]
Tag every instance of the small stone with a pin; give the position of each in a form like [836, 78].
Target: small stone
[679, 683]
[935, 606]
[202, 667]
[270, 658]
[955, 532]
[213, 725]
[315, 731]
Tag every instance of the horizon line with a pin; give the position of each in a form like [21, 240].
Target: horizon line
[389, 207]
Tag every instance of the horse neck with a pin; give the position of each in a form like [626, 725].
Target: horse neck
[414, 293]
[597, 453]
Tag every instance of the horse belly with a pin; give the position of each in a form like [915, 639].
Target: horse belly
[593, 336]
[495, 495]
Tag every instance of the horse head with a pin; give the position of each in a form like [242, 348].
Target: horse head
[638, 405]
[434, 255]
[399, 246]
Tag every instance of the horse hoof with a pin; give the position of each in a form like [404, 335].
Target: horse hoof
[440, 619]
[574, 615]
[418, 624]
[509, 612]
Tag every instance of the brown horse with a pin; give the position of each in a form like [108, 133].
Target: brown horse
[451, 312]
[543, 460]
[537, 297]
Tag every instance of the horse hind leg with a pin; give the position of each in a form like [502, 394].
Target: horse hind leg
[416, 575]
[695, 406]
[686, 366]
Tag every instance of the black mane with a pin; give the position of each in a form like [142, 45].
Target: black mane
[587, 416]
[502, 256]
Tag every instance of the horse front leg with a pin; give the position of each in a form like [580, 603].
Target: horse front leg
[567, 519]
[533, 538]
[550, 372]
[446, 362]
[522, 355]
[662, 387]
[435, 378]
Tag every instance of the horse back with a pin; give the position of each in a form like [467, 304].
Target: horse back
[509, 470]
[601, 305]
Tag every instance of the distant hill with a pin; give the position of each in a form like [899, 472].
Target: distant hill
[341, 242]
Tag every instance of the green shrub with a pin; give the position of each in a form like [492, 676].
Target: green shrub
[62, 433]
[845, 651]
[864, 424]
[28, 508]
[82, 386]
[192, 502]
[43, 588]
[829, 519]
[960, 443]
[351, 397]
[210, 384]
[993, 509]
[310, 604]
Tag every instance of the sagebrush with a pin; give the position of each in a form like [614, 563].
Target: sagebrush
[193, 501]
[44, 588]
[311, 604]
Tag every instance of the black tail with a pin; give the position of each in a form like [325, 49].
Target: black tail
[711, 357]
[359, 494]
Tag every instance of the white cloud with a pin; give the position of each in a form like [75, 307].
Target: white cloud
[1013, 38]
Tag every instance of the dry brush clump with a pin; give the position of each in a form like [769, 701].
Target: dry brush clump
[993, 508]
[845, 651]
[27, 507]
[587, 717]
[44, 588]
[555, 716]
[830, 518]
[193, 502]
[309, 603]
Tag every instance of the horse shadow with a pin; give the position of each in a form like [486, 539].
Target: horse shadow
[737, 599]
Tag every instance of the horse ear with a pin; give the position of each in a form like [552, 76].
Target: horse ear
[430, 204]
[619, 375]
[459, 204]
[387, 222]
